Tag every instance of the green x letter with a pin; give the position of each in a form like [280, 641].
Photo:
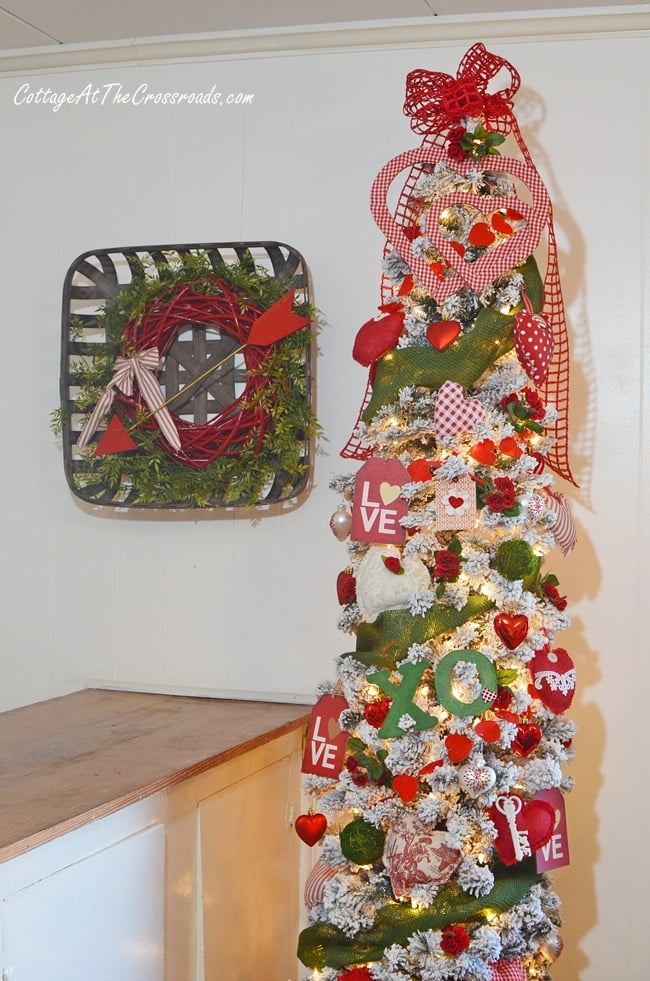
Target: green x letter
[404, 716]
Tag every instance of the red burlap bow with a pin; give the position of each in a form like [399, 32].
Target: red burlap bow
[141, 368]
[437, 102]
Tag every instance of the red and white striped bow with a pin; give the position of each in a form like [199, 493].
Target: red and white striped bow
[141, 368]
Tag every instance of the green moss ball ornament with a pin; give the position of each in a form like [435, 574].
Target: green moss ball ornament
[361, 843]
[515, 560]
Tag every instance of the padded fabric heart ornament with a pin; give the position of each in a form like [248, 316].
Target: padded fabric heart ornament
[523, 827]
[564, 529]
[376, 337]
[554, 679]
[507, 970]
[453, 413]
[310, 827]
[534, 343]
[496, 260]
[511, 629]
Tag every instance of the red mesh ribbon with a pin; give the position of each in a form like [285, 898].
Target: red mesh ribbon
[434, 101]
[437, 102]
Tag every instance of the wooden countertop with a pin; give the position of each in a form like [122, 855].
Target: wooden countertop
[71, 760]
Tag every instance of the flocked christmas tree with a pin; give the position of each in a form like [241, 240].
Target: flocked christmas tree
[436, 758]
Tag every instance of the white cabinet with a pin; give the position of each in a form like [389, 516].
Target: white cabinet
[196, 883]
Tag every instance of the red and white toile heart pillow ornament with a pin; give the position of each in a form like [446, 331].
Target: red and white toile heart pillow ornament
[415, 855]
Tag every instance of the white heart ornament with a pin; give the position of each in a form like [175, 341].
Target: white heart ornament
[476, 780]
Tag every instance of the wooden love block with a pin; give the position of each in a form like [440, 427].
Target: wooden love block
[376, 505]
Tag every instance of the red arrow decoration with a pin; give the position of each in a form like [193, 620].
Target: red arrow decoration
[277, 322]
[115, 440]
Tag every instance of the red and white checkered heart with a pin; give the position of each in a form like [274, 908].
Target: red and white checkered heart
[507, 970]
[453, 413]
[534, 344]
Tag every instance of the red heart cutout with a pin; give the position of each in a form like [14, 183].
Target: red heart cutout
[511, 629]
[310, 827]
[500, 225]
[406, 786]
[419, 469]
[442, 333]
[492, 264]
[554, 679]
[527, 739]
[484, 452]
[458, 747]
[536, 818]
[510, 447]
[488, 730]
[480, 234]
[456, 502]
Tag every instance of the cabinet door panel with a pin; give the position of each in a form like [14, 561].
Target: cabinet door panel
[101, 918]
[250, 871]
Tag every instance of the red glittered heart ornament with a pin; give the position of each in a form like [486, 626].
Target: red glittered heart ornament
[484, 452]
[488, 730]
[310, 827]
[481, 234]
[406, 786]
[442, 333]
[534, 824]
[458, 747]
[420, 470]
[511, 629]
[376, 337]
[527, 739]
[356, 974]
[510, 447]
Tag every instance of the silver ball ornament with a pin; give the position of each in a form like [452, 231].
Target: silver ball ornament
[552, 947]
[341, 523]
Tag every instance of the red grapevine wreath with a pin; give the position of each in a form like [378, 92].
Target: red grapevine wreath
[244, 445]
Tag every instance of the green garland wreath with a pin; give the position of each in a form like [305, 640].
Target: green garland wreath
[151, 476]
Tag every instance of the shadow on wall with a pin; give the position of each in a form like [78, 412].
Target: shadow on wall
[580, 572]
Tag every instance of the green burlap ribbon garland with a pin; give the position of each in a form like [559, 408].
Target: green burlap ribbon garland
[386, 641]
[323, 945]
[464, 361]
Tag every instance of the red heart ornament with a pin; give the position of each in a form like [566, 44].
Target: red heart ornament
[406, 786]
[499, 224]
[456, 502]
[511, 629]
[527, 739]
[510, 447]
[458, 747]
[442, 333]
[554, 679]
[376, 337]
[484, 452]
[453, 413]
[481, 234]
[534, 820]
[488, 730]
[534, 343]
[310, 827]
[495, 262]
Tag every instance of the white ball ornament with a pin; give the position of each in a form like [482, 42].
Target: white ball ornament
[341, 523]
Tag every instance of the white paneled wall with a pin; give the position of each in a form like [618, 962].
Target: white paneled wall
[222, 602]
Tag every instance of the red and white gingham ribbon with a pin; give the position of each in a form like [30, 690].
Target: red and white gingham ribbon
[142, 368]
